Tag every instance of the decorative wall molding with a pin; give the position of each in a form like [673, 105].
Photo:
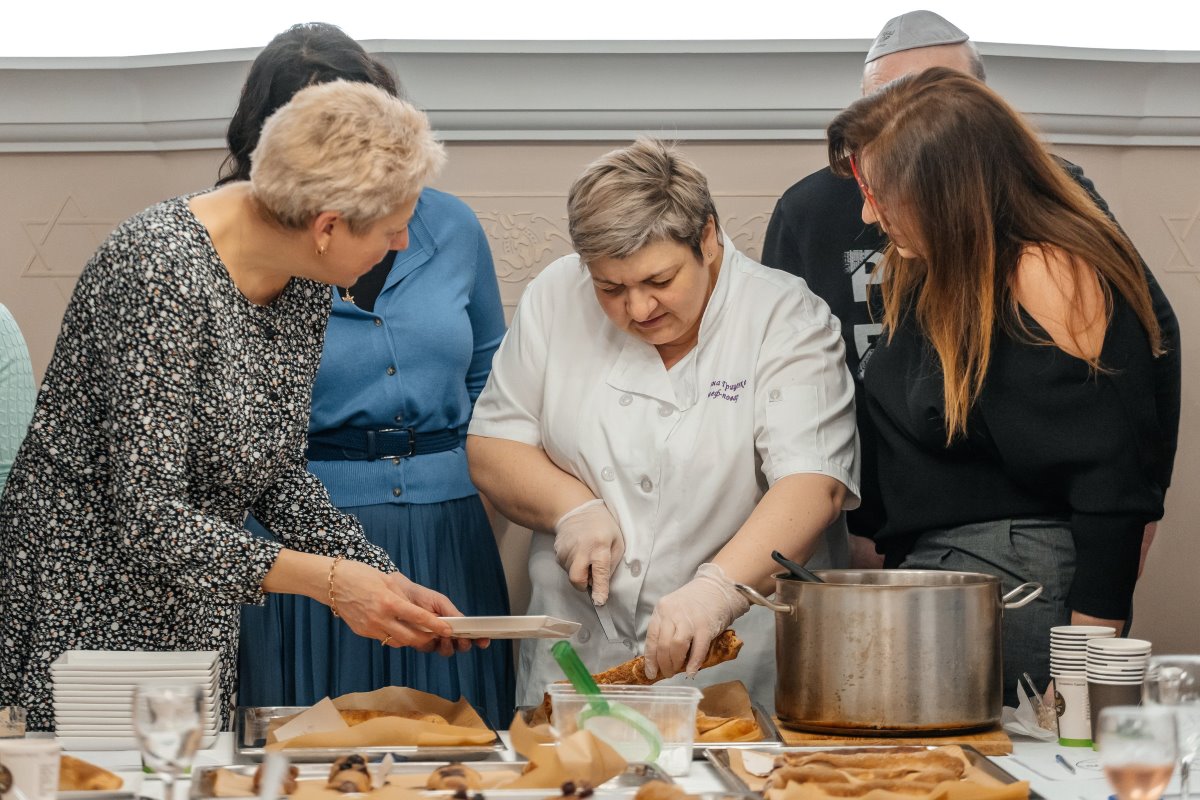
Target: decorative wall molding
[578, 91]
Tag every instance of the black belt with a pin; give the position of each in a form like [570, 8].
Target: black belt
[360, 444]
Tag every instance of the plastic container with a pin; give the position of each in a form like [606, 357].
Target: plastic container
[672, 709]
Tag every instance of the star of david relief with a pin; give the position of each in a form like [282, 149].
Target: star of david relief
[1185, 232]
[63, 243]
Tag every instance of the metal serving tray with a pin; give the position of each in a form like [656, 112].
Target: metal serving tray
[771, 735]
[719, 758]
[250, 740]
[622, 786]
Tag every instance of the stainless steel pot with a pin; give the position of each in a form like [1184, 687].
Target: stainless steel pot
[889, 651]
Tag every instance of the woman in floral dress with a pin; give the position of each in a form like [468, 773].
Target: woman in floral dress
[177, 401]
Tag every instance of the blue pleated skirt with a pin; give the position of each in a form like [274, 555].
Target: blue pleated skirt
[295, 652]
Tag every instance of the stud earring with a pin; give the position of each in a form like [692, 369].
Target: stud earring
[321, 250]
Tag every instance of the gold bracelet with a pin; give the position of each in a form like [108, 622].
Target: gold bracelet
[332, 596]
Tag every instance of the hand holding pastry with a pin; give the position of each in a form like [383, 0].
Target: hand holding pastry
[686, 622]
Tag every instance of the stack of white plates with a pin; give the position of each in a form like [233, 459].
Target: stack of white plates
[1069, 647]
[1117, 661]
[93, 693]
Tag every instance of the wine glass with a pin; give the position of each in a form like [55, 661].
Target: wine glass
[1175, 681]
[169, 721]
[1138, 749]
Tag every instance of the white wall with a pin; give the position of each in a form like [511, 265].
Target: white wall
[86, 143]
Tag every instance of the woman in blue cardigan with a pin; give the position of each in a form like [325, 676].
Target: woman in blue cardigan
[407, 350]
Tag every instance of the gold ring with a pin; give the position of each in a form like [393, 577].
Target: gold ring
[385, 640]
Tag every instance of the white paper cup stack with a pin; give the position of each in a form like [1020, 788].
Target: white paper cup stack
[1068, 668]
[1116, 669]
[1069, 647]
[1117, 661]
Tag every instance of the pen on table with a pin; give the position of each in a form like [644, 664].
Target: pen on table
[1067, 765]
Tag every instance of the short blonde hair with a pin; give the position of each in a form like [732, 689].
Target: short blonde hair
[637, 195]
[342, 146]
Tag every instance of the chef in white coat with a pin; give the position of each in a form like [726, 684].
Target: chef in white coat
[667, 412]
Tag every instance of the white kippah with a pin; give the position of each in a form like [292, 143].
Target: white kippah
[912, 30]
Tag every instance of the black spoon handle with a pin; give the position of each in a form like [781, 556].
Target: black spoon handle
[794, 568]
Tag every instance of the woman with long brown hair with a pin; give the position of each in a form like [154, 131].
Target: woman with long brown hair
[1026, 425]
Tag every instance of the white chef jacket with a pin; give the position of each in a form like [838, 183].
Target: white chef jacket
[681, 456]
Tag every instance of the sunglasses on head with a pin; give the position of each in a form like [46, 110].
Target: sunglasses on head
[865, 188]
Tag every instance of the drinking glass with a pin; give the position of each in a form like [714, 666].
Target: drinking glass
[169, 721]
[1138, 749]
[1175, 681]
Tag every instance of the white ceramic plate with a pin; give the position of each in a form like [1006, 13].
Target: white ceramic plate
[132, 676]
[78, 692]
[110, 709]
[528, 627]
[108, 742]
[120, 660]
[115, 730]
[93, 704]
[115, 708]
[97, 722]
[118, 682]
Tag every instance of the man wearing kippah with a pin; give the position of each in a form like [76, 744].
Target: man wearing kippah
[816, 232]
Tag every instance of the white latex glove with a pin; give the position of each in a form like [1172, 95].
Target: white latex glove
[687, 620]
[588, 545]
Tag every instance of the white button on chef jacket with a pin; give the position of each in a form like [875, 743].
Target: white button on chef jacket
[764, 394]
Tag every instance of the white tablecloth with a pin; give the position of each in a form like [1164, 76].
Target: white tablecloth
[1031, 760]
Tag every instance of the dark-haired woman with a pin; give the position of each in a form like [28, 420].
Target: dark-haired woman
[1025, 420]
[407, 350]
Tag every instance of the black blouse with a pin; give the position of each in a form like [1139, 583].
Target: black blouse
[1048, 436]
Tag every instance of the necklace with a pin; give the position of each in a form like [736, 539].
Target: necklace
[346, 296]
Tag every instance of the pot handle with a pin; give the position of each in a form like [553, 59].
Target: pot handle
[757, 599]
[1035, 591]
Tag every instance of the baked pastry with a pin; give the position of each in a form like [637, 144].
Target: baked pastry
[906, 759]
[783, 775]
[727, 729]
[289, 780]
[357, 716]
[660, 790]
[853, 773]
[454, 776]
[860, 789]
[77, 775]
[580, 789]
[349, 774]
[633, 672]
